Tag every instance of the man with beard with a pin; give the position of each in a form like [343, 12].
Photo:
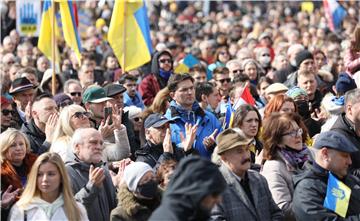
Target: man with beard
[348, 124]
[195, 187]
[248, 196]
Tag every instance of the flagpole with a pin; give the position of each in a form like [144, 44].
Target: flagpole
[53, 42]
[124, 39]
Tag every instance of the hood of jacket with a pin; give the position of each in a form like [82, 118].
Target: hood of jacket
[155, 66]
[312, 171]
[193, 179]
[31, 129]
[47, 78]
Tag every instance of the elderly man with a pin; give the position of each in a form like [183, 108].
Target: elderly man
[159, 147]
[73, 89]
[234, 67]
[90, 178]
[185, 110]
[332, 154]
[248, 196]
[348, 124]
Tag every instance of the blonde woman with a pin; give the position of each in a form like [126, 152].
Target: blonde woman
[48, 194]
[71, 118]
[16, 163]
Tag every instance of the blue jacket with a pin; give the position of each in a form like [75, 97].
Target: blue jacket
[135, 101]
[207, 124]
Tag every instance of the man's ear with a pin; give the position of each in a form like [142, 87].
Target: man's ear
[325, 153]
[87, 106]
[172, 94]
[204, 98]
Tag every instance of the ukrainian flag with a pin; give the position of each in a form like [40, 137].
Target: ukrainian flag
[45, 43]
[229, 116]
[188, 62]
[70, 31]
[129, 34]
[337, 196]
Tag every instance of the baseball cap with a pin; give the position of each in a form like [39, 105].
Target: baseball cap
[156, 120]
[95, 94]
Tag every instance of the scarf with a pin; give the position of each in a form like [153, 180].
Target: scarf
[49, 208]
[295, 158]
[165, 74]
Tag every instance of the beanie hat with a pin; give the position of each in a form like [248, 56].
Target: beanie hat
[302, 56]
[345, 83]
[134, 172]
[295, 92]
[61, 98]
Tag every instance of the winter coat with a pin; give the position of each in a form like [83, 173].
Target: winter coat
[98, 201]
[236, 205]
[133, 101]
[153, 83]
[282, 74]
[130, 208]
[292, 81]
[206, 121]
[278, 174]
[352, 61]
[154, 154]
[35, 213]
[36, 137]
[345, 127]
[310, 192]
[45, 81]
[193, 180]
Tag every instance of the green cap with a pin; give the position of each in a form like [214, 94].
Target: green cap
[95, 94]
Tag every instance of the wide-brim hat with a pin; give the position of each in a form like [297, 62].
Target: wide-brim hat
[20, 85]
[231, 138]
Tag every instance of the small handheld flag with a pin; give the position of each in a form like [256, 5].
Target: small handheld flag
[188, 62]
[229, 116]
[337, 196]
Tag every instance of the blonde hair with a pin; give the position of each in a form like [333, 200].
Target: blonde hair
[160, 103]
[7, 138]
[63, 128]
[72, 211]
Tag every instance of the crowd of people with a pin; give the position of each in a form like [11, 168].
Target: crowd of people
[154, 144]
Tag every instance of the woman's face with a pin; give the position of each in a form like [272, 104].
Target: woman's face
[250, 125]
[17, 151]
[287, 107]
[48, 179]
[137, 121]
[251, 71]
[224, 56]
[292, 137]
[79, 119]
[6, 114]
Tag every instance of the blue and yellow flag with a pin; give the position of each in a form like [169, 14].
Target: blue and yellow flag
[229, 116]
[129, 20]
[337, 196]
[45, 43]
[188, 62]
[69, 27]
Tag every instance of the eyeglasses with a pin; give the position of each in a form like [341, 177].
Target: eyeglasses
[81, 114]
[66, 103]
[223, 53]
[6, 112]
[295, 133]
[225, 79]
[238, 71]
[166, 61]
[137, 119]
[78, 94]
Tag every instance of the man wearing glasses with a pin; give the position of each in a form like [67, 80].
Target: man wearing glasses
[73, 89]
[161, 70]
[223, 84]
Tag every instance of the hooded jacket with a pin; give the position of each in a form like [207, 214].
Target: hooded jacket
[206, 121]
[36, 137]
[193, 180]
[310, 192]
[46, 79]
[98, 201]
[153, 83]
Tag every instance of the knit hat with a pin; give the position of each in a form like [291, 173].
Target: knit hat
[134, 172]
[295, 92]
[345, 83]
[61, 98]
[133, 111]
[302, 56]
[231, 138]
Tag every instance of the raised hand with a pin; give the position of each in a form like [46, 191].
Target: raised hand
[209, 141]
[106, 129]
[50, 126]
[117, 179]
[167, 145]
[190, 135]
[96, 175]
[8, 197]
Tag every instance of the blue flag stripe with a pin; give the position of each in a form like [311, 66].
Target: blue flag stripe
[142, 20]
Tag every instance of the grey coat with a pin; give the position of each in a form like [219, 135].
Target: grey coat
[98, 201]
[237, 206]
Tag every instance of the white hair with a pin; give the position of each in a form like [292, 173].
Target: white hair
[78, 136]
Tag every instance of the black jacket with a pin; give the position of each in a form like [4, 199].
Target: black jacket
[310, 192]
[193, 180]
[36, 137]
[345, 127]
[154, 155]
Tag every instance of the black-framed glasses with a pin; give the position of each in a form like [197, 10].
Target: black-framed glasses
[225, 79]
[82, 114]
[66, 103]
[78, 94]
[137, 119]
[165, 61]
[6, 112]
[237, 71]
[295, 133]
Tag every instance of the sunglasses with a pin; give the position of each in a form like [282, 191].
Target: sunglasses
[6, 112]
[225, 79]
[66, 103]
[238, 71]
[166, 61]
[223, 53]
[137, 119]
[81, 114]
[78, 94]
